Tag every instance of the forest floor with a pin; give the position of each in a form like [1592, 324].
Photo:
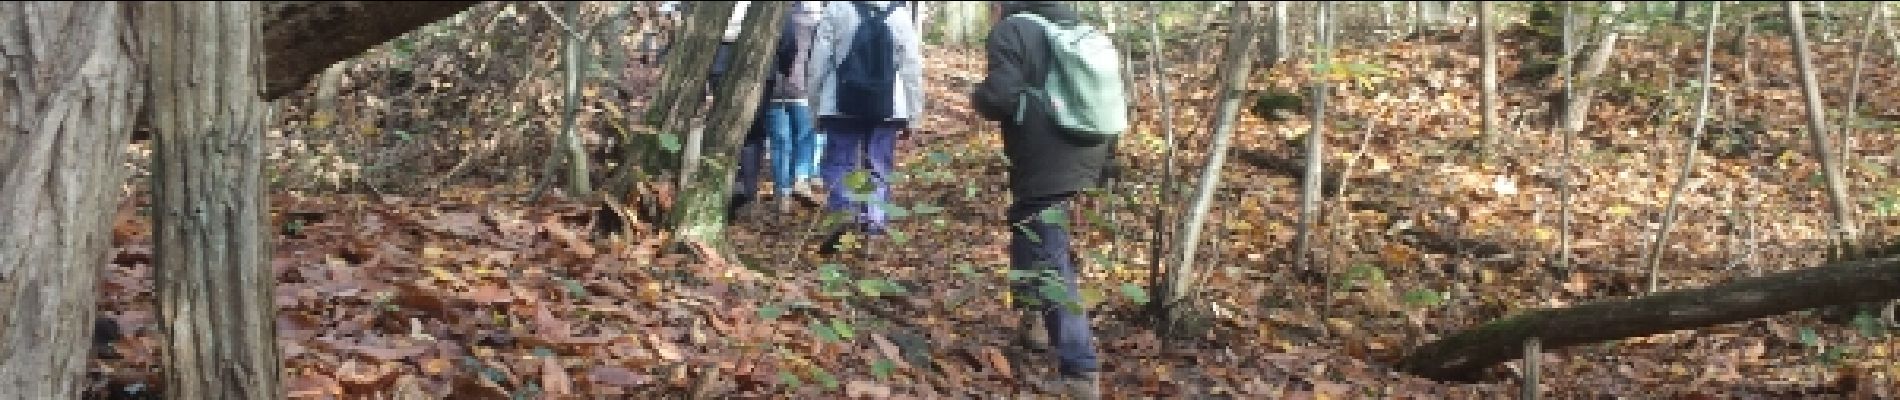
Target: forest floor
[459, 295]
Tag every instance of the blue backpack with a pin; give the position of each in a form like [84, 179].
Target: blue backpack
[868, 75]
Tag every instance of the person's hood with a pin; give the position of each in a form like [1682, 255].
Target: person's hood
[1057, 11]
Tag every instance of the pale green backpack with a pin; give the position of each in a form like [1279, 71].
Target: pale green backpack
[1084, 88]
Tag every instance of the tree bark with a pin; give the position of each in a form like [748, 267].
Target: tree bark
[700, 215]
[1315, 147]
[1844, 229]
[1158, 62]
[681, 89]
[1277, 41]
[1488, 50]
[579, 181]
[1653, 255]
[301, 38]
[1236, 69]
[1579, 108]
[67, 96]
[1462, 356]
[212, 276]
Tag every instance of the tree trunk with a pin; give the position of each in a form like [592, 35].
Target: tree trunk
[1579, 109]
[1315, 147]
[1571, 122]
[700, 215]
[212, 274]
[1653, 255]
[1157, 63]
[67, 98]
[1461, 356]
[1277, 41]
[1236, 69]
[1488, 49]
[1431, 16]
[301, 38]
[1844, 230]
[681, 89]
[578, 179]
[1850, 118]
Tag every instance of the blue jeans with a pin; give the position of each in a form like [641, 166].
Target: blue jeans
[810, 167]
[793, 143]
[1041, 264]
[854, 145]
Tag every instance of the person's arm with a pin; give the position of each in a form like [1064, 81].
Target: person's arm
[996, 97]
[913, 74]
[823, 43]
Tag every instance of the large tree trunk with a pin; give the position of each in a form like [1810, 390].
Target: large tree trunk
[1235, 69]
[1461, 356]
[301, 38]
[681, 90]
[1579, 107]
[213, 279]
[700, 215]
[67, 96]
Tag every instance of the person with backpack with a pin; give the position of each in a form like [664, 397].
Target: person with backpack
[866, 72]
[1055, 86]
[785, 120]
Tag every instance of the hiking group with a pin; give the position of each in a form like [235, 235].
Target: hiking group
[855, 68]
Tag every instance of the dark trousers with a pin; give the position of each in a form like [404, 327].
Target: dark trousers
[851, 145]
[1044, 279]
[751, 155]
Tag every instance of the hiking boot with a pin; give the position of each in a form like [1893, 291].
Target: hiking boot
[1032, 331]
[831, 242]
[1084, 386]
[806, 194]
[733, 207]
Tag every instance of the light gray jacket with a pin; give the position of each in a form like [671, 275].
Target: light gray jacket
[832, 41]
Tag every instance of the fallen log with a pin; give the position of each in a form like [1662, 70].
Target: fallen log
[302, 38]
[1462, 356]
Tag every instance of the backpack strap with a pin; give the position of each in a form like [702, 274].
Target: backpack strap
[1023, 95]
[866, 11]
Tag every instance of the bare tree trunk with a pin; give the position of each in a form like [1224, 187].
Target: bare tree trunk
[67, 98]
[1236, 68]
[578, 184]
[1315, 147]
[1844, 230]
[1579, 109]
[681, 88]
[1653, 255]
[1488, 49]
[700, 215]
[1157, 62]
[1278, 41]
[1851, 117]
[213, 277]
[1431, 16]
[1567, 71]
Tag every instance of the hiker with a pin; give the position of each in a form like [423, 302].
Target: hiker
[1059, 140]
[866, 76]
[784, 119]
